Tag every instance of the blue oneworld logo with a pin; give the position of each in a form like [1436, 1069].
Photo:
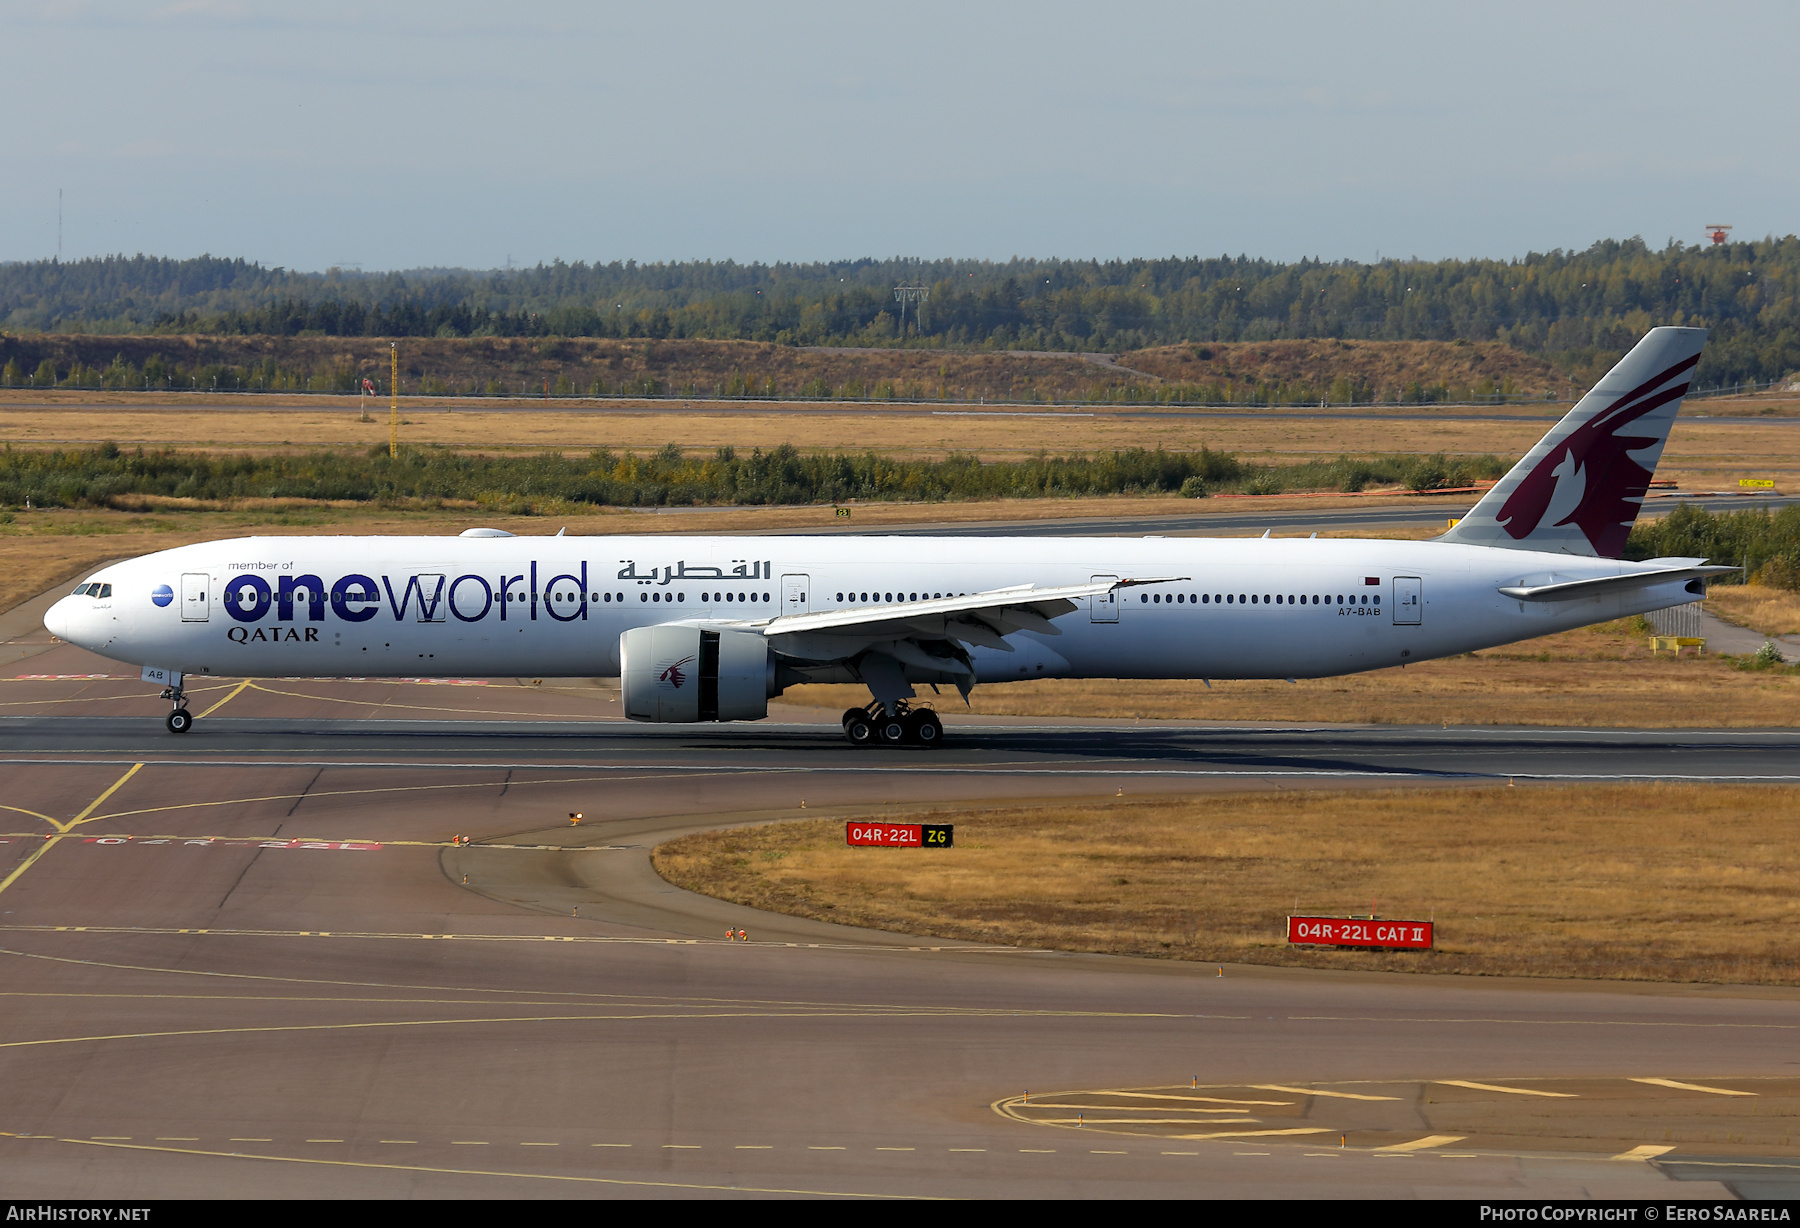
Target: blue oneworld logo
[162, 594]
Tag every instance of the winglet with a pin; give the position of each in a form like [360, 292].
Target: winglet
[1579, 490]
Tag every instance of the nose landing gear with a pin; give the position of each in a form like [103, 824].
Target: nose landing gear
[180, 720]
[904, 725]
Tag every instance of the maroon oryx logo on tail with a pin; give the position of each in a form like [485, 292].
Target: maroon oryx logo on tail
[673, 675]
[1590, 479]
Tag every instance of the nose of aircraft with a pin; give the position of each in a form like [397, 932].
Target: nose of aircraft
[57, 620]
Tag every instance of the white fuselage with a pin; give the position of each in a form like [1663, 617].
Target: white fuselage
[556, 606]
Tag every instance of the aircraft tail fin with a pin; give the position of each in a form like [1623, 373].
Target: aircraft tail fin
[1579, 490]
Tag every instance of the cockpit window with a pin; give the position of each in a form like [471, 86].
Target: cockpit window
[105, 591]
[93, 589]
[81, 590]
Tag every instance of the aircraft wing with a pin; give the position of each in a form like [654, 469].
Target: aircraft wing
[977, 618]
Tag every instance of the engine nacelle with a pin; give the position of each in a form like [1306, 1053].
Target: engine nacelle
[683, 674]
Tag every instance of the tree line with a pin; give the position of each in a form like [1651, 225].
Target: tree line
[1567, 306]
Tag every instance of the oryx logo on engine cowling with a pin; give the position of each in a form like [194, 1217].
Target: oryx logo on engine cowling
[673, 675]
[1589, 477]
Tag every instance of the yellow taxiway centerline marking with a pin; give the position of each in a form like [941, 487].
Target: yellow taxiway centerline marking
[1649, 1151]
[30, 861]
[1115, 1091]
[1420, 1144]
[478, 1172]
[1144, 1121]
[1057, 1104]
[471, 784]
[234, 694]
[1254, 1133]
[1309, 1091]
[1514, 1091]
[62, 829]
[1678, 1086]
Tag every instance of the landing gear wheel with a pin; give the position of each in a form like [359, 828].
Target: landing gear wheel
[893, 730]
[180, 721]
[858, 729]
[927, 730]
[851, 714]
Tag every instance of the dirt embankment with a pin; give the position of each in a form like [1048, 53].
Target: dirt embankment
[1365, 370]
[1385, 368]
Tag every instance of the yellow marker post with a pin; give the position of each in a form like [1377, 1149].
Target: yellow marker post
[393, 398]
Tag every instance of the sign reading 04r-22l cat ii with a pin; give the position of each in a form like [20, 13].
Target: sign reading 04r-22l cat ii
[1359, 932]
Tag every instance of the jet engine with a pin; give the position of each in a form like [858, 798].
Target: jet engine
[682, 674]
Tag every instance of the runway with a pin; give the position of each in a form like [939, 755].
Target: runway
[259, 961]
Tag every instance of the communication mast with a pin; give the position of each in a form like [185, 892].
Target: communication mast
[1717, 233]
[910, 294]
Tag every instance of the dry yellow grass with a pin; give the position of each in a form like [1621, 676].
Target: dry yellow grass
[1636, 882]
[1702, 453]
[1597, 676]
[1772, 611]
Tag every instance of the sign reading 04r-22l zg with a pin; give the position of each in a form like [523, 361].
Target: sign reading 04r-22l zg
[901, 835]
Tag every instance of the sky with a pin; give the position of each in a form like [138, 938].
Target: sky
[406, 135]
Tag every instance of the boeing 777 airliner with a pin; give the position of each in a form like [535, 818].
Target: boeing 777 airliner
[709, 628]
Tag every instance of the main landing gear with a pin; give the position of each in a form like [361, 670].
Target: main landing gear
[180, 720]
[905, 725]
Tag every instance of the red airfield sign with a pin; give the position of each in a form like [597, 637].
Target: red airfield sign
[1359, 932]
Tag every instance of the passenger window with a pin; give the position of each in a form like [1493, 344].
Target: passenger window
[1378, 599]
[1205, 599]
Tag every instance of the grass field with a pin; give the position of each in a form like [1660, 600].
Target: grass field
[1702, 453]
[1631, 882]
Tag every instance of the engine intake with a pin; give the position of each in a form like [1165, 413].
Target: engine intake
[687, 674]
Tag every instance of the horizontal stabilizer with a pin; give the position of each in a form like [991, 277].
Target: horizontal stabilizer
[1570, 590]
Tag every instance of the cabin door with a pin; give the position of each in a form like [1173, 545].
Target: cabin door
[194, 602]
[1103, 607]
[1408, 606]
[796, 594]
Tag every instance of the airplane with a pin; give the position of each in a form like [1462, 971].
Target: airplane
[710, 628]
